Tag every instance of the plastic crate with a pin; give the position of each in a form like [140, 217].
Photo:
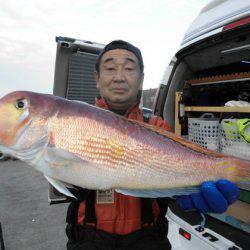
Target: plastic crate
[204, 131]
[230, 140]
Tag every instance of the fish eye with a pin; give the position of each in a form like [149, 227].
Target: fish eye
[21, 104]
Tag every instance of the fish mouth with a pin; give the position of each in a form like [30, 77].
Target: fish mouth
[5, 150]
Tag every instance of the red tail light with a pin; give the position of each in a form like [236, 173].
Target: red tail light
[185, 234]
[237, 24]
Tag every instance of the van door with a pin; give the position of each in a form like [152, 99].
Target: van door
[73, 79]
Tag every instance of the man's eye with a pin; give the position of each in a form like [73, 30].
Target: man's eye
[110, 69]
[130, 70]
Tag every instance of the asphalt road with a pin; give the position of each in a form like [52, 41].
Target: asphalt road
[27, 219]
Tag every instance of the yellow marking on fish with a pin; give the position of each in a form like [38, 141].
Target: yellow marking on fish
[231, 169]
[227, 165]
[119, 151]
[115, 145]
[221, 164]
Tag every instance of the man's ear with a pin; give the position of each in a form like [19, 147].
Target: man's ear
[96, 77]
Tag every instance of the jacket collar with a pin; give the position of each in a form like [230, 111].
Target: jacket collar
[133, 110]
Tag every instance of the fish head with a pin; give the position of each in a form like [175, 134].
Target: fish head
[23, 119]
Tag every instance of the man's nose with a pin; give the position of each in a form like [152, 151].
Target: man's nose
[119, 75]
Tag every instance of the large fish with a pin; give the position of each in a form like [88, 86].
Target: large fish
[75, 143]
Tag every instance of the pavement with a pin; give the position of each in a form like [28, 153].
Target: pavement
[28, 221]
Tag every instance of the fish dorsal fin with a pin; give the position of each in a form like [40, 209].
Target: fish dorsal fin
[172, 136]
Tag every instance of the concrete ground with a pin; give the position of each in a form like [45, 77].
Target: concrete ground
[27, 219]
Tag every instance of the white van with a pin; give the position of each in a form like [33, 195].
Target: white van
[211, 68]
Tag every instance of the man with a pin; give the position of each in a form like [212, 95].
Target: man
[106, 219]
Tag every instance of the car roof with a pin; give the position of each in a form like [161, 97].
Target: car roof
[213, 17]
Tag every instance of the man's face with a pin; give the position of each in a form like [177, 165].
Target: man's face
[119, 78]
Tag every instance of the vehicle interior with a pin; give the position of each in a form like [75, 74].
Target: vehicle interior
[223, 60]
[207, 75]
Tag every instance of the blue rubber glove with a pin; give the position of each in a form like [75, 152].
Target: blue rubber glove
[214, 197]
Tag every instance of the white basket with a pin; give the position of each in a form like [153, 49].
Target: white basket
[230, 141]
[204, 131]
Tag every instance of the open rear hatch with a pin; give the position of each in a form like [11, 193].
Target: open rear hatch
[206, 76]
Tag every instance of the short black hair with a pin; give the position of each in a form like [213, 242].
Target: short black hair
[120, 44]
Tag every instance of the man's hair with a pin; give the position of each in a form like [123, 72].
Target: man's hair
[120, 44]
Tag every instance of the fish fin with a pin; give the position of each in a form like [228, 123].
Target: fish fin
[172, 136]
[159, 193]
[60, 186]
[61, 157]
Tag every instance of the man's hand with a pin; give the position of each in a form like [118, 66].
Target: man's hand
[214, 197]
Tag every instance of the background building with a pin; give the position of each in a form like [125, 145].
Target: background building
[148, 97]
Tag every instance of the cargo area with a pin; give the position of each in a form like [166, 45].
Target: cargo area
[206, 102]
[210, 73]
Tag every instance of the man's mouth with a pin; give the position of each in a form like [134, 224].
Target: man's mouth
[119, 90]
